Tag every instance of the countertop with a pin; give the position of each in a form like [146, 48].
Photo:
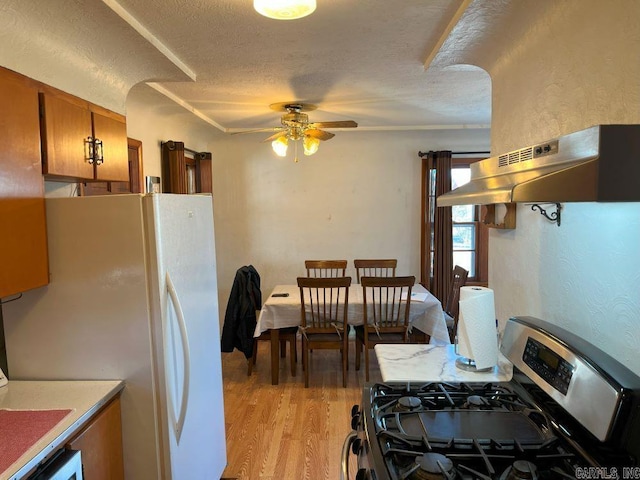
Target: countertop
[84, 398]
[432, 363]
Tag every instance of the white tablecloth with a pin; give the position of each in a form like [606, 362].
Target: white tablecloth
[282, 312]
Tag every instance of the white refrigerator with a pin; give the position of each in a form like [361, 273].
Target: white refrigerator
[133, 296]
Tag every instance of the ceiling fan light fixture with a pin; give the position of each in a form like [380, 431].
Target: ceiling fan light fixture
[279, 146]
[284, 9]
[310, 145]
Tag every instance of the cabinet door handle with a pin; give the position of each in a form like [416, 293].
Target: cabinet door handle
[89, 150]
[98, 152]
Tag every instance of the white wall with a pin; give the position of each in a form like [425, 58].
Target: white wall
[153, 119]
[358, 197]
[585, 274]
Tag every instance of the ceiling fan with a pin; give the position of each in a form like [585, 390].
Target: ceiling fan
[296, 126]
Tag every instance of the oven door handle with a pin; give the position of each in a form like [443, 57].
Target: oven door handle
[344, 467]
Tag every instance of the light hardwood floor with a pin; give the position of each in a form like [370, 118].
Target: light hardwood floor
[286, 431]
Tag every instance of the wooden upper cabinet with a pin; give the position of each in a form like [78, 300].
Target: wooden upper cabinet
[23, 242]
[81, 141]
[66, 129]
[114, 164]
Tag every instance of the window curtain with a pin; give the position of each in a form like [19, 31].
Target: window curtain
[440, 283]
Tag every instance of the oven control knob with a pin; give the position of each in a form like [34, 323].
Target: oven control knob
[362, 474]
[355, 410]
[355, 421]
[356, 446]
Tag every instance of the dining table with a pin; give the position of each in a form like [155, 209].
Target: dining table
[281, 309]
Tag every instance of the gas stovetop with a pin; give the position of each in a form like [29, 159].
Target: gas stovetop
[464, 431]
[569, 412]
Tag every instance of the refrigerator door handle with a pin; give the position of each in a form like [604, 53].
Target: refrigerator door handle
[179, 424]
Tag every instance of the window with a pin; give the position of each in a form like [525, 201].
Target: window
[469, 235]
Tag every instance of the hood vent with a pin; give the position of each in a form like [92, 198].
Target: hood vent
[515, 157]
[598, 164]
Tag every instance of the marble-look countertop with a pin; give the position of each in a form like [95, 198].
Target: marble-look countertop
[432, 363]
[84, 398]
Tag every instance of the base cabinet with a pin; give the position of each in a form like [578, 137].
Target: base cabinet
[101, 445]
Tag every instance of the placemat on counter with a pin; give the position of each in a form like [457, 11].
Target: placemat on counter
[21, 429]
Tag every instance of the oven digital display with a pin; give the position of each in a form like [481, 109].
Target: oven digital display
[549, 358]
[554, 369]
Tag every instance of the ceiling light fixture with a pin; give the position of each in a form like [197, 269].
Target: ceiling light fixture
[284, 9]
[279, 146]
[310, 145]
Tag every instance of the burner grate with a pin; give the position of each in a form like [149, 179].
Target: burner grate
[484, 431]
[478, 458]
[441, 396]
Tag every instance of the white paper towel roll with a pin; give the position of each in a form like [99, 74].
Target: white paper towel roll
[477, 339]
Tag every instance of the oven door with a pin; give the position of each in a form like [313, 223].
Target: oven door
[67, 465]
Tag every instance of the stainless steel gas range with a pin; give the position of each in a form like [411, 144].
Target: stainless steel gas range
[571, 411]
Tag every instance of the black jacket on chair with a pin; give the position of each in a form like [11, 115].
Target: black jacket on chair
[240, 317]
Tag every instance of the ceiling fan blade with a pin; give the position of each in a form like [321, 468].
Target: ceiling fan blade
[319, 134]
[280, 133]
[338, 124]
[257, 130]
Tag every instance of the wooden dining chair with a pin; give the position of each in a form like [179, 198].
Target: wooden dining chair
[451, 306]
[325, 268]
[323, 318]
[387, 302]
[375, 268]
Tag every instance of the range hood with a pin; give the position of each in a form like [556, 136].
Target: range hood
[598, 164]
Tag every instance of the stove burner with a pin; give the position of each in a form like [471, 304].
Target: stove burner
[432, 466]
[475, 401]
[406, 404]
[521, 469]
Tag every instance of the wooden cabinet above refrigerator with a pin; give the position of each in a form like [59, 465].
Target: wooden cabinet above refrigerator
[81, 141]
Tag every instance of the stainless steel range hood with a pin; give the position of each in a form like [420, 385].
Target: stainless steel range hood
[598, 164]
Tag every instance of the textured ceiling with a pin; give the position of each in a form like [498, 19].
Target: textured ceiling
[357, 60]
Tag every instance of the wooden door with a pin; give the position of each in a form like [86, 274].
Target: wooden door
[115, 159]
[23, 242]
[66, 126]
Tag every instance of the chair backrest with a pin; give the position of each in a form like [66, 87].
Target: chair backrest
[387, 301]
[325, 268]
[323, 302]
[375, 268]
[451, 306]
